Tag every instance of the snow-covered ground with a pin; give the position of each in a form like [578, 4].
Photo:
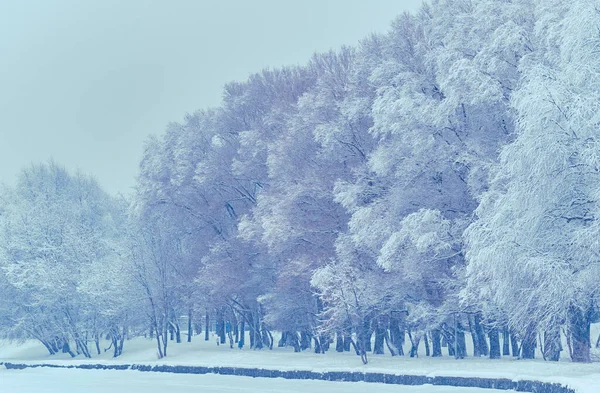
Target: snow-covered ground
[45, 380]
[585, 378]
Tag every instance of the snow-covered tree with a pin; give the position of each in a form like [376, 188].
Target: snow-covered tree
[531, 250]
[56, 226]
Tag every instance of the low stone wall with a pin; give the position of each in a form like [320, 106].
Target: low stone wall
[351, 376]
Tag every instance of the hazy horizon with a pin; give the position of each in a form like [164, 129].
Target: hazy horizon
[86, 82]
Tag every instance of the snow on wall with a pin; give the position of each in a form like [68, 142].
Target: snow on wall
[341, 376]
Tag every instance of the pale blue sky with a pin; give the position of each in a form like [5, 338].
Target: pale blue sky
[86, 81]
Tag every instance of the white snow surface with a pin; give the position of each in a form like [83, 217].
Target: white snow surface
[101, 381]
[584, 378]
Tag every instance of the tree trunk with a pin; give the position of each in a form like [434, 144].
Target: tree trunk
[267, 338]
[474, 338]
[165, 342]
[223, 333]
[66, 348]
[158, 344]
[363, 356]
[325, 342]
[242, 340]
[48, 347]
[221, 327]
[206, 326]
[364, 335]
[451, 349]
[505, 342]
[426, 342]
[229, 331]
[177, 333]
[436, 343]
[293, 341]
[448, 335]
[283, 340]
[379, 339]
[460, 347]
[122, 341]
[236, 329]
[117, 338]
[84, 348]
[251, 333]
[56, 345]
[258, 342]
[552, 345]
[390, 345]
[190, 326]
[317, 344]
[494, 343]
[97, 341]
[339, 342]
[514, 344]
[483, 346]
[367, 343]
[397, 335]
[579, 327]
[360, 350]
[528, 344]
[304, 340]
[115, 344]
[347, 342]
[414, 345]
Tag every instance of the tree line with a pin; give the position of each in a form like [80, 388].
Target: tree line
[432, 183]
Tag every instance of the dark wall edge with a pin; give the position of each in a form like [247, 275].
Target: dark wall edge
[341, 376]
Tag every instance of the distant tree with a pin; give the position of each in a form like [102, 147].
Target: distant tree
[55, 227]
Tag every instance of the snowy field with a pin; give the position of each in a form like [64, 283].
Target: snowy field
[44, 380]
[583, 377]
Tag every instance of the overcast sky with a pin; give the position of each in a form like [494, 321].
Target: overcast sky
[86, 81]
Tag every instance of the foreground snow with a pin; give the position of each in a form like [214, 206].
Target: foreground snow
[95, 381]
[585, 378]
